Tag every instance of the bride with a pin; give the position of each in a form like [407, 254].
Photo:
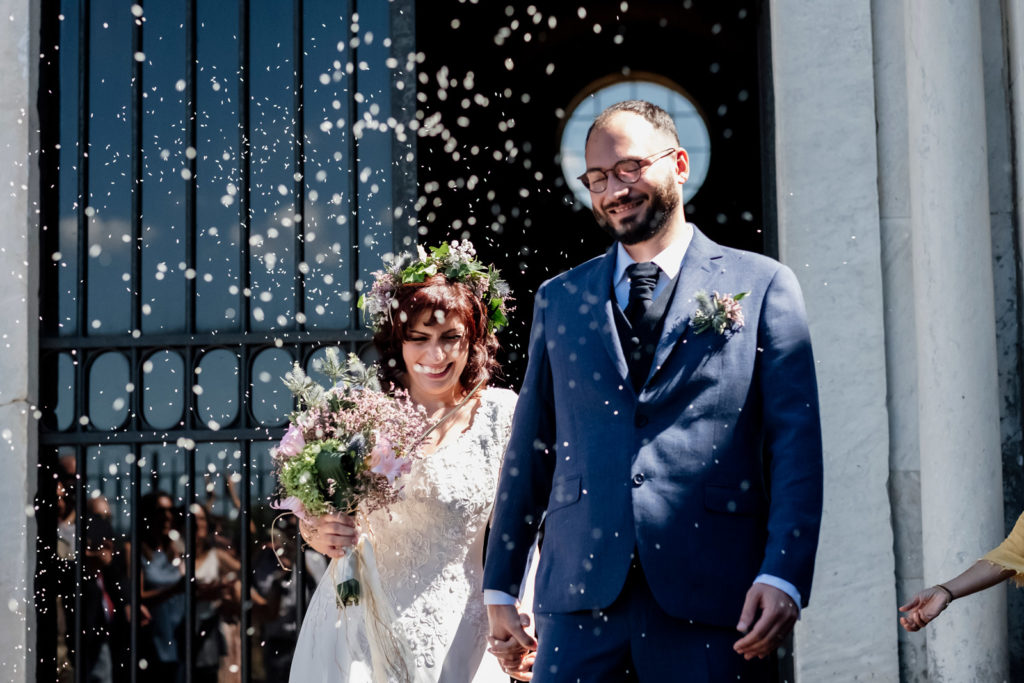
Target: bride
[437, 339]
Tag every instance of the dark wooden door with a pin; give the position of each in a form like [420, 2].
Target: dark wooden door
[497, 80]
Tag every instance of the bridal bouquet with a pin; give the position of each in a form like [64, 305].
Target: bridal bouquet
[345, 450]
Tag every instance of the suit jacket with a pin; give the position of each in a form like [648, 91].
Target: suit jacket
[713, 472]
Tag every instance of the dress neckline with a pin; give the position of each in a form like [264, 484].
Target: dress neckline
[473, 420]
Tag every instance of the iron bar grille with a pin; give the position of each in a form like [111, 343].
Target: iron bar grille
[218, 179]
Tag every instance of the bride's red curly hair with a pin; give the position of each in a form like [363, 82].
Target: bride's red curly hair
[436, 293]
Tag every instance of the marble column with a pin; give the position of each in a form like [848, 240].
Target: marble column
[826, 168]
[17, 339]
[889, 39]
[960, 460]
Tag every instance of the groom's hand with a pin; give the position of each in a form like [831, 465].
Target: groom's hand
[778, 614]
[509, 641]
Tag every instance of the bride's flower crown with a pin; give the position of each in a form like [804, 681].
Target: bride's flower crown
[457, 262]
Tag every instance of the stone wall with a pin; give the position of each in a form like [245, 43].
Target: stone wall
[1008, 252]
[18, 340]
[1006, 266]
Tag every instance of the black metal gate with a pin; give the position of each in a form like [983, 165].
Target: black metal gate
[218, 178]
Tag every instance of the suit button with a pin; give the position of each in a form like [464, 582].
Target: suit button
[638, 479]
[640, 420]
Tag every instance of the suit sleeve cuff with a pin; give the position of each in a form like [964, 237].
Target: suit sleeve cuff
[493, 597]
[783, 585]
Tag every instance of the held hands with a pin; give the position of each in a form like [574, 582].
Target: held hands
[509, 641]
[330, 535]
[778, 615]
[924, 607]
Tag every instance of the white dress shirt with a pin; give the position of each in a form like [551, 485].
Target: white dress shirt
[668, 260]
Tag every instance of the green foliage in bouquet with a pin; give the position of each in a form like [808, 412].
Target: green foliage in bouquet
[347, 443]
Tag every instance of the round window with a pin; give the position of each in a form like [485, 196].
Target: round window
[693, 133]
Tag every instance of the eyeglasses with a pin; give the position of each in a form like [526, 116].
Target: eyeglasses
[626, 170]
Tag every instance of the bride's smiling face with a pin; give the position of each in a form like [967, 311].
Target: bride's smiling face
[435, 352]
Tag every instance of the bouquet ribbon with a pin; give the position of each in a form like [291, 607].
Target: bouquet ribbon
[357, 581]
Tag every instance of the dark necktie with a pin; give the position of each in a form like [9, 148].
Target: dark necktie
[643, 277]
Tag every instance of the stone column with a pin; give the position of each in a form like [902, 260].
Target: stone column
[826, 169]
[889, 39]
[1015, 47]
[17, 341]
[961, 476]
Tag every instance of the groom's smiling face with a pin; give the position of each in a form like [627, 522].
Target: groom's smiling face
[634, 213]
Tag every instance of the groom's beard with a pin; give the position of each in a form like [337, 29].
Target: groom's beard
[660, 206]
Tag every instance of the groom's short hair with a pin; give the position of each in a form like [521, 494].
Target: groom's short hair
[652, 113]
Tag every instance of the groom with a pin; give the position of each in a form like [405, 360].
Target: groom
[672, 467]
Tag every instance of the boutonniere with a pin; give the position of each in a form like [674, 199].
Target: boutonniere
[718, 312]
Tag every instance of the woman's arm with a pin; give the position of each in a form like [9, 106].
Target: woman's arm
[930, 602]
[157, 595]
[228, 562]
[233, 493]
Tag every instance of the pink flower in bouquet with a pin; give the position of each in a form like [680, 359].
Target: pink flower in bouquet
[292, 442]
[382, 446]
[291, 504]
[385, 461]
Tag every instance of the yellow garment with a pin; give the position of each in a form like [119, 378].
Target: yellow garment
[1010, 553]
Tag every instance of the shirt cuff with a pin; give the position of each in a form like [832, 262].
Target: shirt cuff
[493, 597]
[783, 585]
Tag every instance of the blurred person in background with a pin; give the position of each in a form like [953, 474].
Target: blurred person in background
[274, 578]
[162, 586]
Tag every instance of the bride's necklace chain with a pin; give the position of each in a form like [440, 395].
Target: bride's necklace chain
[444, 418]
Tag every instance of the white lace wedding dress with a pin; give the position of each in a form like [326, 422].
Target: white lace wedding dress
[429, 555]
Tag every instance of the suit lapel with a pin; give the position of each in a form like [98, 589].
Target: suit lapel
[696, 273]
[600, 286]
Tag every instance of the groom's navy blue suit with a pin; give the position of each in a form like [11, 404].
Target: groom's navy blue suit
[711, 472]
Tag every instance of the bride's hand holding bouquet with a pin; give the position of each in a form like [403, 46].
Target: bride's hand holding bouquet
[331, 534]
